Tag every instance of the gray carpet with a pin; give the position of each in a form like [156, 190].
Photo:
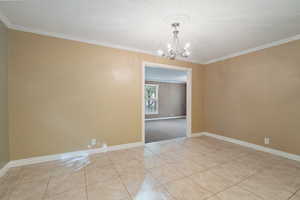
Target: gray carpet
[166, 129]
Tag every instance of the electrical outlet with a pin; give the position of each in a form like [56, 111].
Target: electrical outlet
[104, 146]
[267, 140]
[93, 142]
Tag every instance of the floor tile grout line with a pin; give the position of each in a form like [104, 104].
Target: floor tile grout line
[207, 169]
[213, 194]
[244, 188]
[191, 180]
[294, 194]
[188, 176]
[85, 180]
[45, 193]
[119, 175]
[17, 182]
[147, 171]
[210, 168]
[227, 188]
[233, 159]
[286, 190]
[236, 184]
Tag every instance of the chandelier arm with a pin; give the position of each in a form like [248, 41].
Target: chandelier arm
[174, 48]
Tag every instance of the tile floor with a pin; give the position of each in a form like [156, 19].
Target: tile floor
[185, 169]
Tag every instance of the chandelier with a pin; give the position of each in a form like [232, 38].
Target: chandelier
[174, 49]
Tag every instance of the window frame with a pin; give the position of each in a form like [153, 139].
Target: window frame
[157, 99]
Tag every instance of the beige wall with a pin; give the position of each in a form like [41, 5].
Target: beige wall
[256, 95]
[171, 99]
[4, 138]
[63, 93]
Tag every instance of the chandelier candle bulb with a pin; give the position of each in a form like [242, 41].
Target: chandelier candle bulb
[174, 49]
[187, 45]
[160, 52]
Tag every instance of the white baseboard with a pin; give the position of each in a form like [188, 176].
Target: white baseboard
[3, 170]
[197, 134]
[162, 118]
[125, 146]
[40, 159]
[251, 145]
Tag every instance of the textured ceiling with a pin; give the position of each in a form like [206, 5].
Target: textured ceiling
[215, 28]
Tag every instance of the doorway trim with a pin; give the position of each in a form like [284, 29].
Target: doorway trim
[188, 94]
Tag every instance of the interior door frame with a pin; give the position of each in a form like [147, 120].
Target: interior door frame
[188, 94]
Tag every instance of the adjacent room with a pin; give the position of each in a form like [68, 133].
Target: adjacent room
[165, 104]
[149, 100]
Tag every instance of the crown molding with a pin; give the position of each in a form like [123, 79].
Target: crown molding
[9, 25]
[94, 42]
[265, 46]
[73, 38]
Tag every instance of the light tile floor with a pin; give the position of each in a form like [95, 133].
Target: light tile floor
[184, 169]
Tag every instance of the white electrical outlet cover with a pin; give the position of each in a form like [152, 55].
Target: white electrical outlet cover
[267, 140]
[93, 142]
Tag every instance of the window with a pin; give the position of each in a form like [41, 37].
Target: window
[151, 99]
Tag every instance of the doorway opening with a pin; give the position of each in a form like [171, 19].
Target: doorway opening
[166, 102]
